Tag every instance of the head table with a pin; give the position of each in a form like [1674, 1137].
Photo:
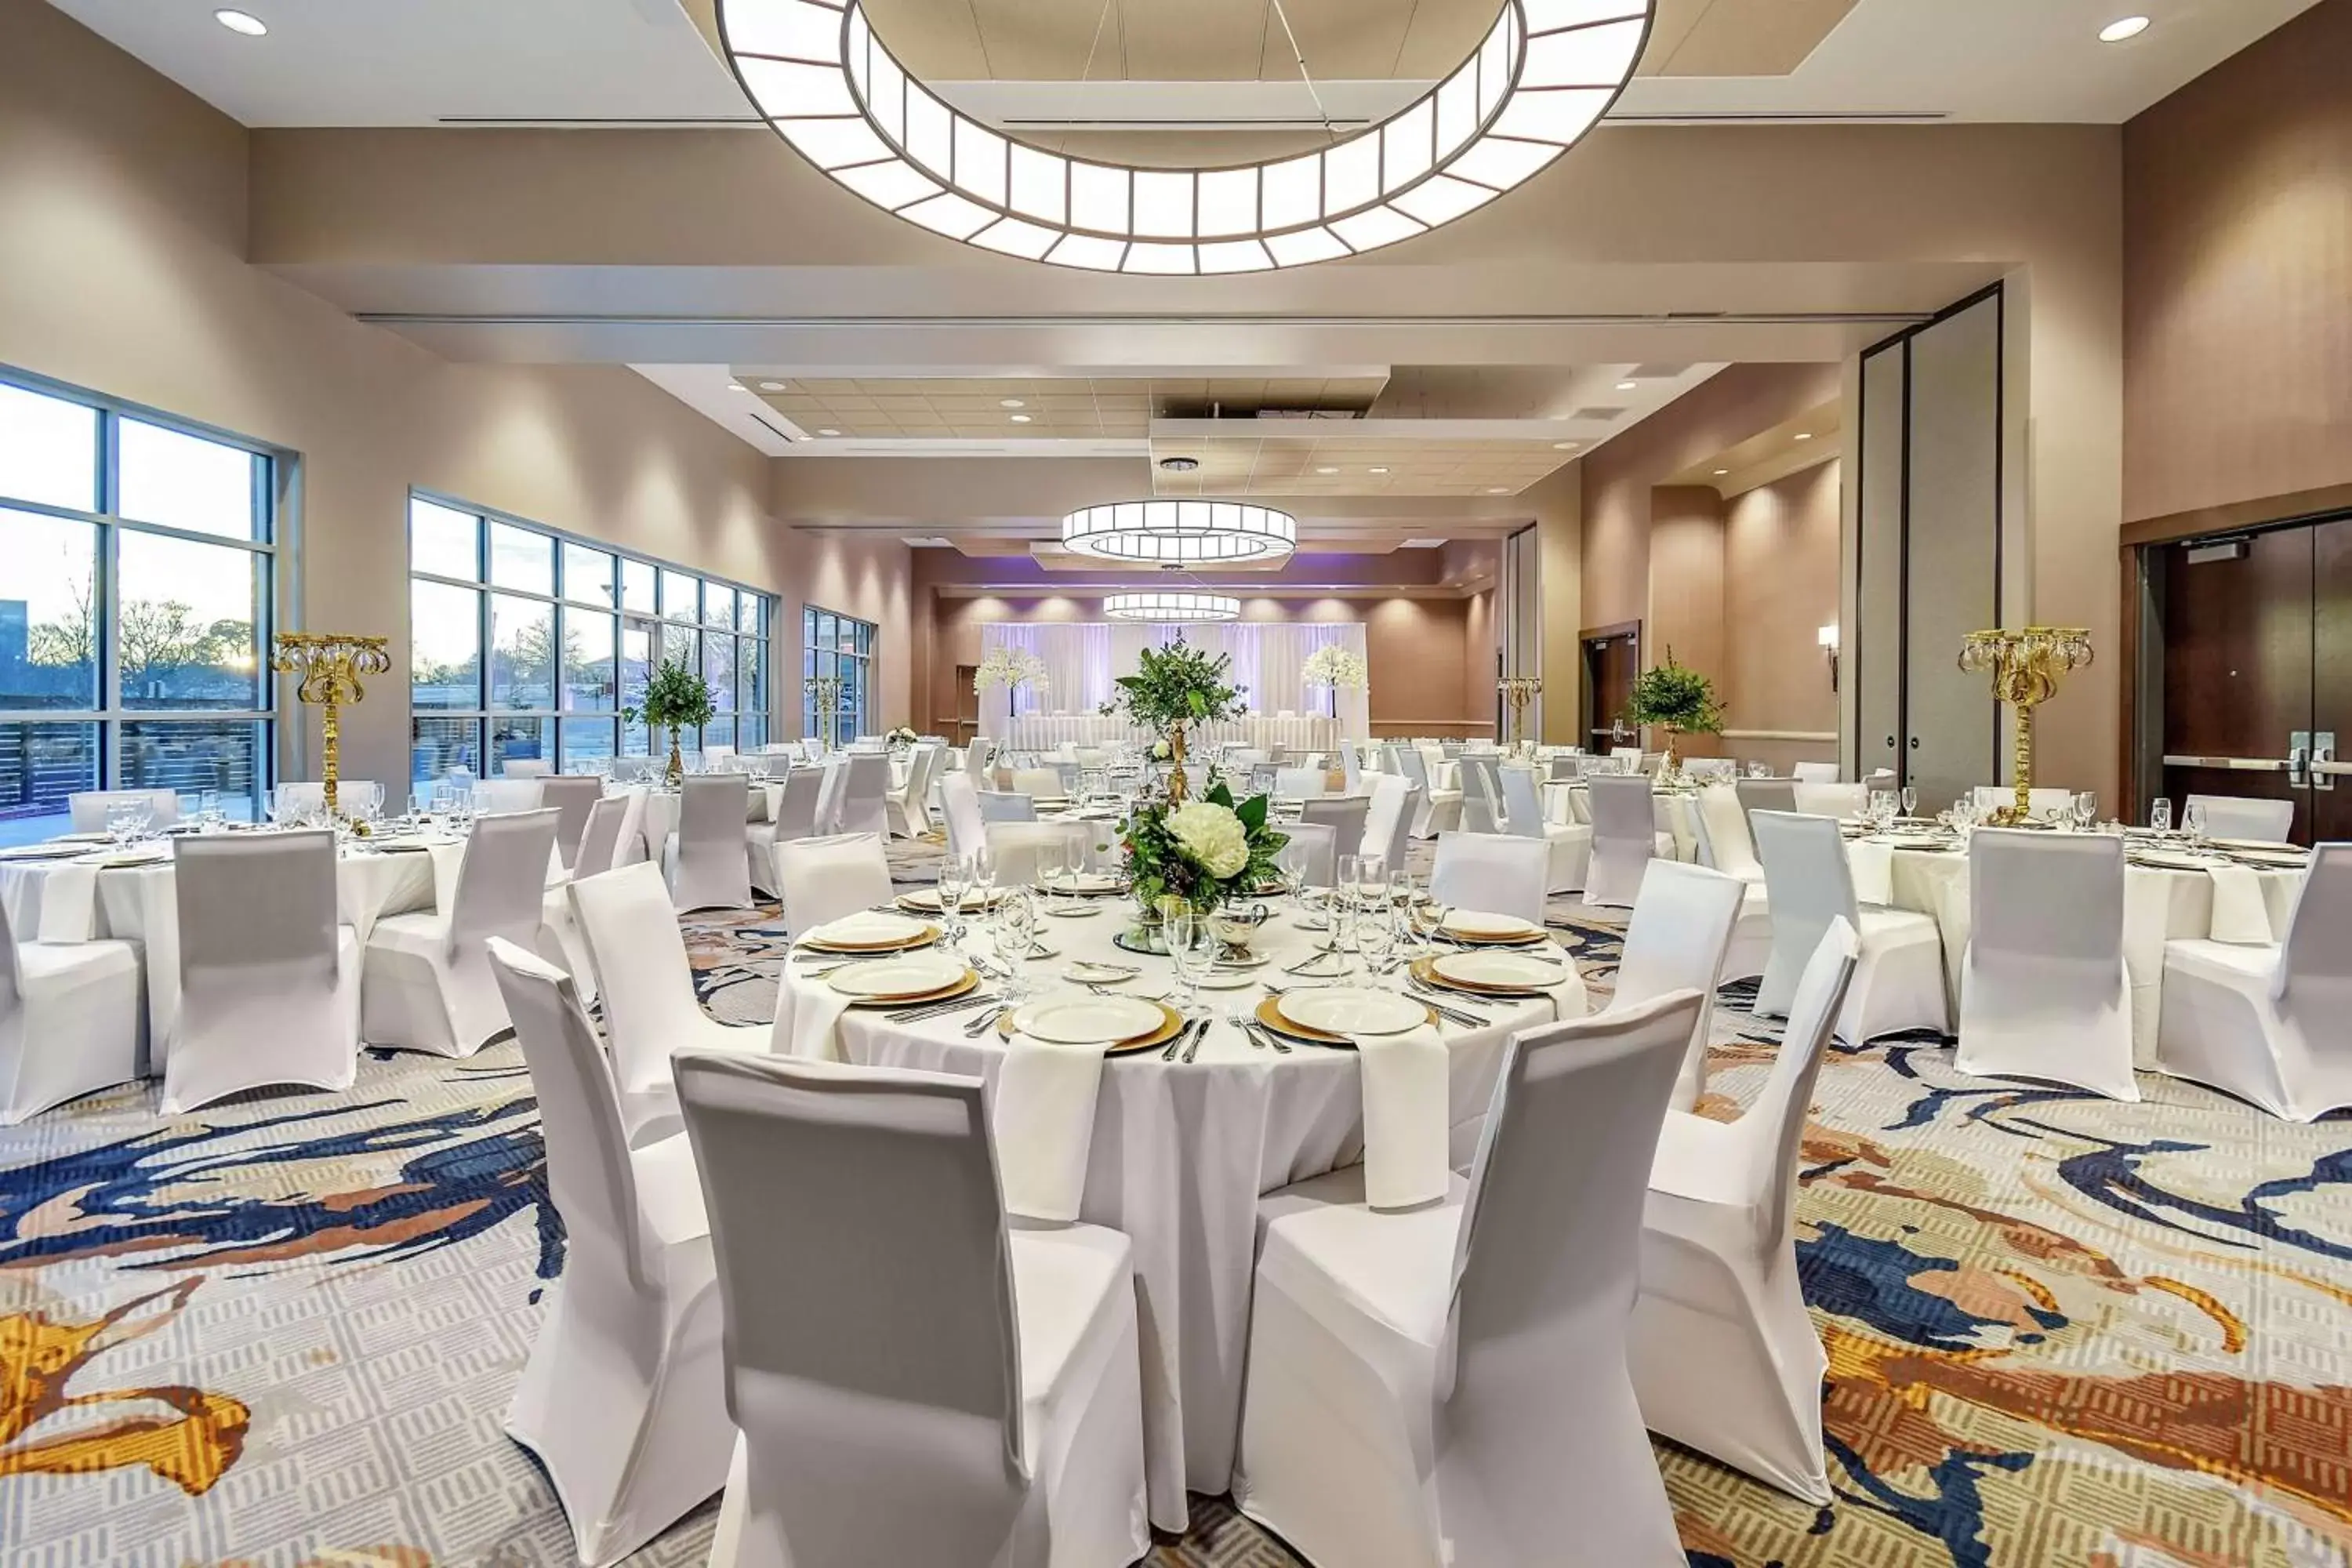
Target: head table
[1182, 1150]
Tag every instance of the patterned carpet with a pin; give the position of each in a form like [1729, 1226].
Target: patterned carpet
[2061, 1331]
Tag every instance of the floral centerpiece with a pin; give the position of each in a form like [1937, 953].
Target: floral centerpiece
[676, 697]
[1200, 852]
[1676, 699]
[1335, 667]
[899, 739]
[1012, 669]
[1174, 688]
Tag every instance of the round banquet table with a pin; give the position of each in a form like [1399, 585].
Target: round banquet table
[1181, 1152]
[2160, 904]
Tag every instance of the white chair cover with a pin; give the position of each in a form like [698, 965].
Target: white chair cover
[1300, 783]
[1437, 811]
[270, 981]
[1014, 846]
[914, 1383]
[961, 801]
[822, 880]
[1675, 942]
[573, 796]
[1345, 816]
[864, 793]
[830, 786]
[1723, 1356]
[904, 807]
[1570, 844]
[2226, 817]
[1006, 806]
[426, 984]
[527, 768]
[795, 816]
[1899, 983]
[1811, 772]
[1387, 819]
[2268, 1024]
[1772, 795]
[2044, 992]
[977, 758]
[1448, 1385]
[1482, 793]
[711, 871]
[88, 807]
[1038, 784]
[69, 1020]
[507, 796]
[1490, 872]
[1624, 838]
[646, 981]
[1352, 767]
[1726, 845]
[623, 1397]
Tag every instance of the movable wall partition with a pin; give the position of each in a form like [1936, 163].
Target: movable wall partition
[1521, 598]
[1927, 562]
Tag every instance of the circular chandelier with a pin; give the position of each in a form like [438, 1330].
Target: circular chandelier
[1177, 608]
[1540, 78]
[1180, 533]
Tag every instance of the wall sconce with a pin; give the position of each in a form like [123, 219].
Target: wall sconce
[1828, 638]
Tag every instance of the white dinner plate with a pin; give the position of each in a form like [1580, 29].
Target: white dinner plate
[1524, 971]
[2170, 860]
[2289, 858]
[1485, 927]
[927, 900]
[868, 927]
[2261, 846]
[1228, 980]
[1088, 1020]
[907, 974]
[1086, 882]
[1353, 1010]
[41, 851]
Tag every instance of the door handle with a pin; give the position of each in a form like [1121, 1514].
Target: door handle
[2298, 747]
[2240, 764]
[2324, 766]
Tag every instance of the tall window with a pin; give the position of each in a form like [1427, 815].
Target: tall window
[843, 646]
[524, 644]
[137, 572]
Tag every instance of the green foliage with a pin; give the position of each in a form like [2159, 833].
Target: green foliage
[1676, 698]
[1160, 867]
[1179, 684]
[677, 698]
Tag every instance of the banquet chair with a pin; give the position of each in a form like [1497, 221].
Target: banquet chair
[863, 792]
[427, 983]
[1013, 848]
[795, 816]
[527, 768]
[1711, 768]
[269, 978]
[1006, 806]
[1569, 845]
[914, 1381]
[623, 1398]
[2226, 817]
[1725, 844]
[1837, 802]
[1482, 793]
[507, 796]
[2041, 802]
[1437, 811]
[1626, 838]
[905, 809]
[1038, 784]
[1898, 982]
[1345, 816]
[822, 880]
[1299, 783]
[637, 953]
[1681, 928]
[2044, 992]
[611, 823]
[1492, 873]
[833, 778]
[1628, 758]
[1352, 767]
[573, 796]
[1723, 1357]
[960, 804]
[710, 870]
[1449, 1384]
[69, 1020]
[1388, 819]
[2267, 1024]
[1813, 773]
[1765, 794]
[88, 807]
[978, 760]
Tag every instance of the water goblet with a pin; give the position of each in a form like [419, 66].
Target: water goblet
[951, 890]
[1192, 949]
[1376, 939]
[1910, 801]
[119, 815]
[2086, 809]
[2159, 814]
[1049, 870]
[2193, 821]
[1014, 929]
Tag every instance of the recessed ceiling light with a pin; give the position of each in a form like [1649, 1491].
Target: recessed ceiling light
[1326, 470]
[1627, 386]
[1499, 489]
[1020, 418]
[737, 386]
[1804, 435]
[244, 22]
[771, 387]
[1720, 472]
[2123, 27]
[1377, 470]
[1566, 445]
[1010, 403]
[828, 432]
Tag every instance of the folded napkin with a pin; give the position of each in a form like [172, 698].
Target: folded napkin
[866, 925]
[1568, 998]
[2239, 913]
[1407, 1119]
[68, 903]
[1873, 865]
[808, 1019]
[1044, 1117]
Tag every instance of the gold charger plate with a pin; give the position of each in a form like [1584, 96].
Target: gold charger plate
[951, 989]
[1170, 1021]
[1425, 971]
[1269, 1012]
[1464, 939]
[930, 933]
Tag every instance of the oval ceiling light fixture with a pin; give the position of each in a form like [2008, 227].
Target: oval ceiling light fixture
[244, 22]
[1180, 533]
[2123, 27]
[1177, 608]
[1544, 73]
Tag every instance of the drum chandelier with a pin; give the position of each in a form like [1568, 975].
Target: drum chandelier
[1176, 608]
[1170, 532]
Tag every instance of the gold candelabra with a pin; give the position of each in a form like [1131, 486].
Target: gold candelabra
[1518, 691]
[330, 665]
[2025, 666]
[826, 689]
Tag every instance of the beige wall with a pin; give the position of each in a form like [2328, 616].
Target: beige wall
[122, 204]
[1780, 588]
[1685, 612]
[2237, 277]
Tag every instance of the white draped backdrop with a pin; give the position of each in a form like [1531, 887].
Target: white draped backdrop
[1082, 660]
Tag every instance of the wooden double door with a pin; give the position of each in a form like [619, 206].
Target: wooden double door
[2256, 635]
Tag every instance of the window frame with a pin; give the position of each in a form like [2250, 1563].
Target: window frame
[827, 658]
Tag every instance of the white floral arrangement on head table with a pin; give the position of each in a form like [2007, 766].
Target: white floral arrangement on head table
[1011, 667]
[1336, 665]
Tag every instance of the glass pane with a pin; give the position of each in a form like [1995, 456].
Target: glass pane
[751, 732]
[521, 559]
[718, 606]
[444, 542]
[677, 643]
[719, 669]
[48, 620]
[585, 743]
[679, 602]
[48, 449]
[40, 766]
[587, 576]
[522, 653]
[636, 587]
[636, 740]
[219, 754]
[637, 661]
[588, 660]
[188, 632]
[520, 740]
[444, 656]
[436, 746]
[719, 732]
[751, 693]
[750, 614]
[187, 481]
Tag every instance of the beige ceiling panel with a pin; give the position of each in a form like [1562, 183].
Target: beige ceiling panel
[1670, 24]
[1198, 40]
[1754, 37]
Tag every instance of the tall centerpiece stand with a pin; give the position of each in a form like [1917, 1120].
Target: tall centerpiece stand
[1678, 699]
[677, 698]
[2025, 666]
[1517, 692]
[824, 701]
[329, 666]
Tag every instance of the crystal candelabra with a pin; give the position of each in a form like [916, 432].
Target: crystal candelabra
[826, 691]
[330, 665]
[1518, 691]
[2025, 666]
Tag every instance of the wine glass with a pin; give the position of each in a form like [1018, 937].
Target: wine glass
[117, 822]
[1049, 868]
[1192, 948]
[1376, 939]
[1372, 880]
[1015, 929]
[2159, 814]
[1346, 869]
[2086, 810]
[951, 889]
[2193, 820]
[980, 882]
[1910, 801]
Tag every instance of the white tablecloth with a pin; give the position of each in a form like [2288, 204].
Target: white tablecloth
[2160, 905]
[1046, 731]
[1180, 1153]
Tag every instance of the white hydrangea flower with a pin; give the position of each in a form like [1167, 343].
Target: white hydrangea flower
[1211, 835]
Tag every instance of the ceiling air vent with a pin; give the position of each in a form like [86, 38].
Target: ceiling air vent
[1601, 415]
